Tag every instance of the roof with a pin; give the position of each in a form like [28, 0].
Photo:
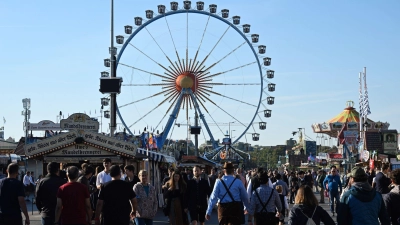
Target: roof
[373, 141]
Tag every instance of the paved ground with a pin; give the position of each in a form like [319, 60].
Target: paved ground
[158, 220]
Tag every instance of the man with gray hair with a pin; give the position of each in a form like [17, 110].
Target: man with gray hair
[73, 203]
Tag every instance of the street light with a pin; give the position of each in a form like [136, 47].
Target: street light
[229, 123]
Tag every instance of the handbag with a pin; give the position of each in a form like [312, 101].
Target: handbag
[326, 194]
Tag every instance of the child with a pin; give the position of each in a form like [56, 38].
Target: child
[285, 205]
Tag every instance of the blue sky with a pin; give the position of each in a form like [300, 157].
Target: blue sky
[53, 51]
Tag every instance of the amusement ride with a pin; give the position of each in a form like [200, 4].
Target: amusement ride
[192, 62]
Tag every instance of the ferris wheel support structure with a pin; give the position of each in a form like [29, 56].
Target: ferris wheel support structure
[179, 101]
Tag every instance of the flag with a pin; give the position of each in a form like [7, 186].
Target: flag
[361, 99]
[4, 119]
[366, 109]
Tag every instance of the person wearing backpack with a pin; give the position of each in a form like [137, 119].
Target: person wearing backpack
[306, 210]
[361, 204]
[264, 202]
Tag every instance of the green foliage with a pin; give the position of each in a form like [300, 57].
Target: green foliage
[266, 157]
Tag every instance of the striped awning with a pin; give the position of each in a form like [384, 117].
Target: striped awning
[155, 156]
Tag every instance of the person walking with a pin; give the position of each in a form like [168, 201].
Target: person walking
[12, 198]
[176, 208]
[231, 194]
[264, 202]
[87, 173]
[306, 207]
[28, 184]
[294, 182]
[46, 193]
[197, 192]
[117, 202]
[279, 181]
[73, 203]
[212, 178]
[382, 181]
[361, 204]
[320, 183]
[285, 205]
[254, 183]
[104, 176]
[146, 197]
[131, 178]
[392, 199]
[334, 183]
[95, 195]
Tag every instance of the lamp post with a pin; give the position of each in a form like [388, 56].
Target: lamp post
[113, 52]
[26, 103]
[229, 123]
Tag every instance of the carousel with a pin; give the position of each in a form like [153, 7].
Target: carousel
[346, 128]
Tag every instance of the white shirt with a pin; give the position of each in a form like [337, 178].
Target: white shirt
[27, 180]
[31, 180]
[102, 178]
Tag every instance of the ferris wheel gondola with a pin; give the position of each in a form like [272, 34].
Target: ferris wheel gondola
[184, 68]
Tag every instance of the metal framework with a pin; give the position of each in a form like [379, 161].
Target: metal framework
[196, 69]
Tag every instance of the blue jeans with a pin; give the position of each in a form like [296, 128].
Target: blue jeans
[143, 221]
[334, 195]
[47, 221]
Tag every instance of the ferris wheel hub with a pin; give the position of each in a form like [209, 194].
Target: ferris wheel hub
[186, 80]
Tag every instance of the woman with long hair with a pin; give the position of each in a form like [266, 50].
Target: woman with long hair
[176, 208]
[306, 207]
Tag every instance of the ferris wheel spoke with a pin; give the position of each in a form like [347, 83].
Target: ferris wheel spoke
[238, 84]
[216, 93]
[231, 115]
[220, 73]
[158, 84]
[201, 42]
[214, 64]
[160, 49]
[151, 73]
[162, 102]
[173, 42]
[149, 57]
[151, 96]
[216, 44]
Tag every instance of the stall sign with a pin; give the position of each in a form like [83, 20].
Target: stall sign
[44, 125]
[79, 121]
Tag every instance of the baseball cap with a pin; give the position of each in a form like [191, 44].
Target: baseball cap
[357, 172]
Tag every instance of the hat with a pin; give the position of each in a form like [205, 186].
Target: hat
[357, 172]
[228, 165]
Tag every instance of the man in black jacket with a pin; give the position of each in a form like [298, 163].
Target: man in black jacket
[198, 190]
[46, 193]
[381, 179]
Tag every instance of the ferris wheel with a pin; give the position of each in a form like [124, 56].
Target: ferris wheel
[193, 63]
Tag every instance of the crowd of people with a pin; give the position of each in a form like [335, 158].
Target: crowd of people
[114, 194]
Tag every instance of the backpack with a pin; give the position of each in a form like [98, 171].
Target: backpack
[310, 221]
